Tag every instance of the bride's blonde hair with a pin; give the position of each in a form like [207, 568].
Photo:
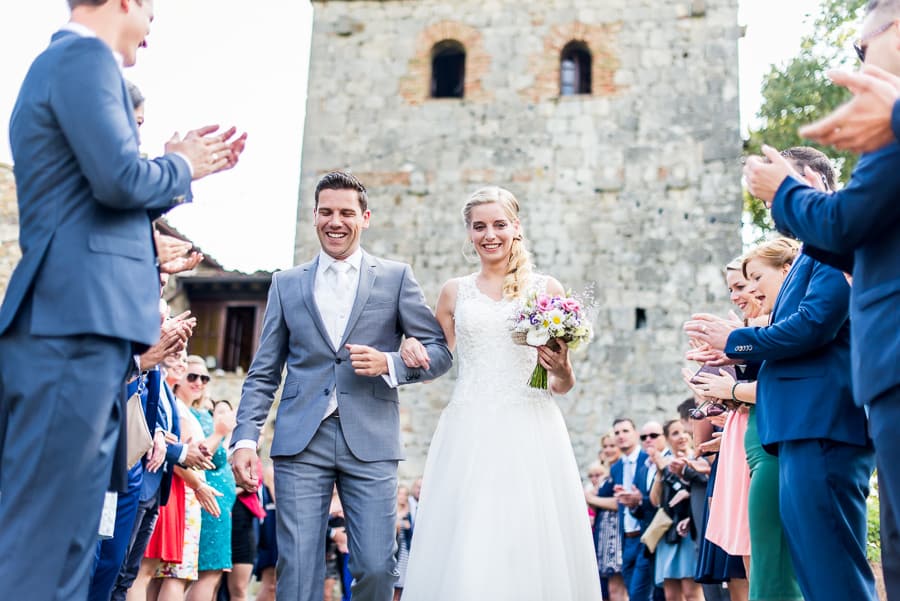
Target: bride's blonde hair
[519, 267]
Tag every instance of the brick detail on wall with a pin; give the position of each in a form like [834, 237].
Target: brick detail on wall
[415, 86]
[600, 40]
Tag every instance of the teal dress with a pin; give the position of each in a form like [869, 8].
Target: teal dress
[215, 533]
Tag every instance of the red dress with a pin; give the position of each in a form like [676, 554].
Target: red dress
[167, 541]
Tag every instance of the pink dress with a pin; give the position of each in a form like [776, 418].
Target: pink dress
[729, 525]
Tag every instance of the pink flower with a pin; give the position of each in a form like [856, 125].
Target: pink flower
[570, 305]
[544, 302]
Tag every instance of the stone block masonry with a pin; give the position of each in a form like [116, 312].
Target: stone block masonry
[634, 186]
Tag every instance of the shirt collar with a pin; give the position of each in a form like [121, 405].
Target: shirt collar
[86, 32]
[632, 457]
[326, 260]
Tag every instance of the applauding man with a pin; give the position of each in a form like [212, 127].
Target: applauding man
[84, 292]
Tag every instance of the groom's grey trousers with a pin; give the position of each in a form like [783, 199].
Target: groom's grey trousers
[304, 484]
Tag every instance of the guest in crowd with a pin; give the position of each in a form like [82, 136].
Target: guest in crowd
[404, 537]
[172, 578]
[857, 227]
[805, 406]
[607, 537]
[676, 552]
[625, 474]
[771, 567]
[215, 530]
[267, 549]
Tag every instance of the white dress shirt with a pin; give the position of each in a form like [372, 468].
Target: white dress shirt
[629, 467]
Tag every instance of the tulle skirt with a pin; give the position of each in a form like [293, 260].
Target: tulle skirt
[502, 512]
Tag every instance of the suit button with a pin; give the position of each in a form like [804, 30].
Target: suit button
[326, 392]
[338, 360]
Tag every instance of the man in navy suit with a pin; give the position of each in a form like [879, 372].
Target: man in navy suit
[860, 226]
[84, 291]
[805, 412]
[625, 484]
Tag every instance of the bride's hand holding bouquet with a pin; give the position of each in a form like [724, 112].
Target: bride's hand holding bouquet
[555, 325]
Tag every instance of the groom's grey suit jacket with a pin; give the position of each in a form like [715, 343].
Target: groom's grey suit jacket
[389, 305]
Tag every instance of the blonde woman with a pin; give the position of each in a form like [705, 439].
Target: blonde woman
[497, 430]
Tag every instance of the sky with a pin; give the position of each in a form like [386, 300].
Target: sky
[209, 61]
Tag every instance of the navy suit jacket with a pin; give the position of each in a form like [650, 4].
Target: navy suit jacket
[642, 512]
[803, 386]
[859, 228]
[86, 199]
[160, 481]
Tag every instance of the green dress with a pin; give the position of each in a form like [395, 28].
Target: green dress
[215, 533]
[771, 567]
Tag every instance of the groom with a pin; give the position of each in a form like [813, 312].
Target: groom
[336, 322]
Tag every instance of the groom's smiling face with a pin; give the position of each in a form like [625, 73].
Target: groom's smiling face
[340, 221]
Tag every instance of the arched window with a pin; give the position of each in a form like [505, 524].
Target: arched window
[448, 69]
[575, 69]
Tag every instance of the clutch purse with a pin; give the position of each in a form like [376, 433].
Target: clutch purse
[137, 431]
[656, 530]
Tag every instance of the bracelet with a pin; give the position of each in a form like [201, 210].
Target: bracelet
[733, 388]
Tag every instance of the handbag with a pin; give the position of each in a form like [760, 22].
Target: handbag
[658, 527]
[137, 431]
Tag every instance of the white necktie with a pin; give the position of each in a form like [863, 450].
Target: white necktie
[340, 281]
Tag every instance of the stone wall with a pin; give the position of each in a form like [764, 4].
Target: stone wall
[635, 187]
[9, 226]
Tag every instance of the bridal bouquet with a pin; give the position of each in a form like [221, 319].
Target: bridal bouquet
[540, 319]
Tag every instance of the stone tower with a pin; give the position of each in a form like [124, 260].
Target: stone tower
[614, 122]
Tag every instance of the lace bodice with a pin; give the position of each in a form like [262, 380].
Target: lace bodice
[493, 370]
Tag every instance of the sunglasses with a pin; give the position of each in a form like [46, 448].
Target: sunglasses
[653, 435]
[708, 409]
[859, 44]
[193, 378]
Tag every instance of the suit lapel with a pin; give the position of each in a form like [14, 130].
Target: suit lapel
[307, 292]
[366, 281]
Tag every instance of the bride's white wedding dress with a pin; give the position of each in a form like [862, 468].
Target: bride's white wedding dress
[502, 514]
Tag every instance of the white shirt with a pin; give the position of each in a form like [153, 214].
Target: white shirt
[334, 308]
[629, 468]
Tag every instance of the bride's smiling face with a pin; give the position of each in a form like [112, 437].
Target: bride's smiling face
[492, 232]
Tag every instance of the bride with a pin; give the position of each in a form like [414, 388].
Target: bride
[502, 512]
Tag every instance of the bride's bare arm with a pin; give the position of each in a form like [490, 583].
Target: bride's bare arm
[412, 351]
[446, 306]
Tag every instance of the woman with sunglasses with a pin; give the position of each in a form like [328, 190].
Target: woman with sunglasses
[172, 579]
[215, 530]
[771, 569]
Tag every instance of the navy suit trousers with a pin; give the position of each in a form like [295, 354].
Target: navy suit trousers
[823, 487]
[59, 425]
[111, 552]
[637, 570]
[884, 415]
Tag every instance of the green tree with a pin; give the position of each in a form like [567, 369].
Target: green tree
[798, 92]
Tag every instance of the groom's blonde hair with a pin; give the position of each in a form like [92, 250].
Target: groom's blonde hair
[519, 258]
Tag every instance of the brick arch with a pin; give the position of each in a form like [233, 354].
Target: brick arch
[415, 85]
[599, 39]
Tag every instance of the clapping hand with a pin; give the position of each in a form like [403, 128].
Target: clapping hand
[712, 330]
[208, 153]
[717, 386]
[169, 248]
[864, 123]
[765, 175]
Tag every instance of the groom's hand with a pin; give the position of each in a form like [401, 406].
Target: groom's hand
[367, 361]
[243, 464]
